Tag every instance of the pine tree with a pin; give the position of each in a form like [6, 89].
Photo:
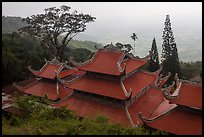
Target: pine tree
[169, 57]
[154, 58]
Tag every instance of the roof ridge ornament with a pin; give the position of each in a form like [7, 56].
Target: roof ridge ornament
[129, 117]
[167, 94]
[157, 72]
[127, 94]
[120, 61]
[161, 80]
[147, 120]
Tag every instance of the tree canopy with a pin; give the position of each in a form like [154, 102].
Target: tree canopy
[53, 23]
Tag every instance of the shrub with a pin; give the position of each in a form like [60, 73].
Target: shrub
[102, 119]
[14, 121]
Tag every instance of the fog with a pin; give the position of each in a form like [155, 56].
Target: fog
[116, 21]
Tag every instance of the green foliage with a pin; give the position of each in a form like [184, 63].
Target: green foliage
[190, 69]
[14, 121]
[90, 45]
[80, 54]
[62, 113]
[17, 53]
[154, 58]
[102, 119]
[28, 105]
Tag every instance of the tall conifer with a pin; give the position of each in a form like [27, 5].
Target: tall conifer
[169, 57]
[154, 58]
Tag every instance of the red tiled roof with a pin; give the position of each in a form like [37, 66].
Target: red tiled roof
[146, 103]
[133, 64]
[138, 81]
[112, 87]
[104, 62]
[43, 87]
[163, 107]
[87, 107]
[189, 95]
[48, 71]
[105, 87]
[66, 73]
[79, 73]
[180, 122]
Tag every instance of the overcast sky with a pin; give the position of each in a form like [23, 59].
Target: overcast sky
[116, 21]
[120, 12]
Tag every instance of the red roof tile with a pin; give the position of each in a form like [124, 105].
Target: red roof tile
[105, 87]
[162, 108]
[88, 107]
[146, 103]
[189, 95]
[180, 122]
[66, 73]
[112, 87]
[138, 81]
[48, 71]
[104, 62]
[79, 73]
[133, 64]
[43, 87]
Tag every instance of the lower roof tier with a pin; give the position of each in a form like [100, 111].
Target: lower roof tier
[146, 103]
[139, 81]
[113, 87]
[47, 71]
[179, 122]
[89, 107]
[189, 95]
[45, 87]
[104, 87]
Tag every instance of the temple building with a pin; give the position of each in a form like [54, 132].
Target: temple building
[114, 83]
[46, 82]
[182, 113]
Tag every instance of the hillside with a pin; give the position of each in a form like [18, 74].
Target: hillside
[12, 24]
